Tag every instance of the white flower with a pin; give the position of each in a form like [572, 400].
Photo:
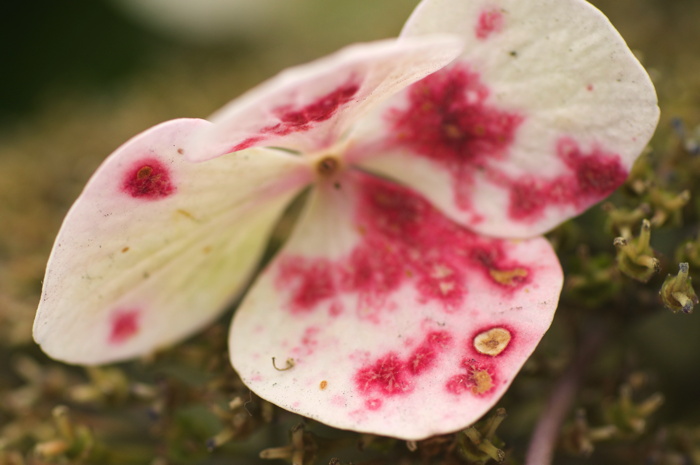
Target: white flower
[403, 295]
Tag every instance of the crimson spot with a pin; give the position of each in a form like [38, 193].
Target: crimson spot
[449, 121]
[148, 179]
[490, 21]
[124, 326]
[589, 177]
[403, 240]
[390, 375]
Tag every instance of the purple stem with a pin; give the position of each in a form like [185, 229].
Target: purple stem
[544, 438]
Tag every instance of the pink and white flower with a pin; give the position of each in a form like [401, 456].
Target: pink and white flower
[414, 286]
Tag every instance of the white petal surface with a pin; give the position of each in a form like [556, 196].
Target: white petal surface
[399, 322]
[540, 117]
[156, 246]
[307, 108]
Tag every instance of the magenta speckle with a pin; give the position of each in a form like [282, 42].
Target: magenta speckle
[373, 404]
[247, 143]
[386, 376]
[424, 357]
[124, 326]
[403, 240]
[311, 281]
[390, 375]
[448, 121]
[458, 384]
[148, 179]
[490, 21]
[308, 343]
[598, 173]
[294, 119]
[478, 379]
[336, 309]
[590, 177]
[498, 268]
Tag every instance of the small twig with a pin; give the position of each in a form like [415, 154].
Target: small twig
[544, 438]
[289, 364]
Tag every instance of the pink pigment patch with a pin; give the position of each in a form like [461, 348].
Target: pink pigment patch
[590, 177]
[247, 143]
[373, 404]
[490, 21]
[390, 375]
[311, 281]
[124, 326]
[309, 342]
[424, 357]
[300, 119]
[387, 376]
[294, 119]
[148, 179]
[448, 121]
[405, 241]
[478, 379]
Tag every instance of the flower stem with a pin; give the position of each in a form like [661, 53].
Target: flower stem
[548, 428]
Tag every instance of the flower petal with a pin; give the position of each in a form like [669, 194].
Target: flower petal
[399, 322]
[541, 116]
[156, 246]
[307, 108]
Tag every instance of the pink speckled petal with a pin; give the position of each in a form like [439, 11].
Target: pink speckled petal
[541, 116]
[399, 322]
[156, 246]
[309, 107]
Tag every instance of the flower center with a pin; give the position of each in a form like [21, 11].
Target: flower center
[328, 166]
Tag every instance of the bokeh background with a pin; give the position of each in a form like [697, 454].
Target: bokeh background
[79, 77]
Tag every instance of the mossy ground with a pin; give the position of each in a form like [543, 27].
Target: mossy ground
[63, 114]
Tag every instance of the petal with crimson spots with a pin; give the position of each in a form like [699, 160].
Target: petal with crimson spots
[413, 325]
[309, 107]
[544, 90]
[156, 246]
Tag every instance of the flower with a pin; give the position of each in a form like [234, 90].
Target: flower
[414, 285]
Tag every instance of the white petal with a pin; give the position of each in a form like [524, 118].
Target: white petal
[307, 108]
[540, 117]
[399, 322]
[156, 246]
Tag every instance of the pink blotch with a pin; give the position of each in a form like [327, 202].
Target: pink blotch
[390, 375]
[309, 342]
[148, 179]
[311, 282]
[124, 326]
[294, 119]
[247, 143]
[300, 119]
[490, 21]
[386, 376]
[405, 241]
[373, 404]
[448, 121]
[492, 257]
[590, 177]
[478, 379]
[424, 356]
[335, 309]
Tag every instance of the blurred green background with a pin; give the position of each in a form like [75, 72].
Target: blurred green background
[79, 77]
